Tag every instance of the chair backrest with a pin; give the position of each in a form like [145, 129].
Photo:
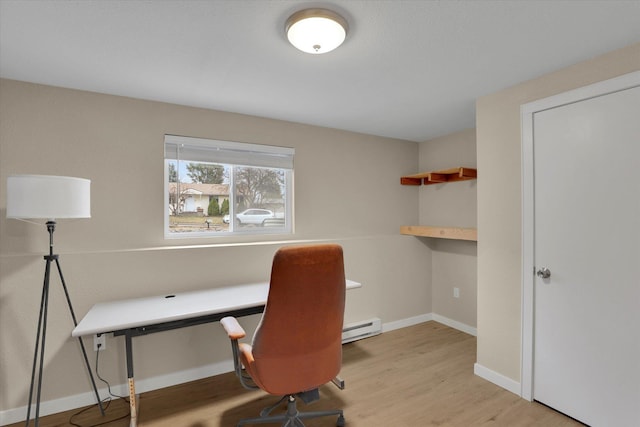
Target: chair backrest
[298, 343]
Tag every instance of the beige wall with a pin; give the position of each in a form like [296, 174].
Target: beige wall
[499, 202]
[346, 190]
[453, 261]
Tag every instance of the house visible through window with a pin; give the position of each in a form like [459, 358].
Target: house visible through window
[221, 187]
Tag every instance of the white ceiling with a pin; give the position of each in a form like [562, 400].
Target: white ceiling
[408, 69]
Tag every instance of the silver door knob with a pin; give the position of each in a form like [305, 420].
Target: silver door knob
[543, 273]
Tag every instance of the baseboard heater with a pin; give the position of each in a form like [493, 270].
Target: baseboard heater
[359, 330]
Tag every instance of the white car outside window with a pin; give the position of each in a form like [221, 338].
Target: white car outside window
[254, 216]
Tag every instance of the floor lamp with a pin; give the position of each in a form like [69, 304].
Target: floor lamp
[50, 198]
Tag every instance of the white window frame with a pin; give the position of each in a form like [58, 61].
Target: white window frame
[235, 154]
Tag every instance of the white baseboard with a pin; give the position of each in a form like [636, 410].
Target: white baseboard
[15, 415]
[496, 378]
[455, 324]
[180, 377]
[403, 323]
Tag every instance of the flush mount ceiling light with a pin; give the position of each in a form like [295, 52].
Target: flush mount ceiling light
[316, 30]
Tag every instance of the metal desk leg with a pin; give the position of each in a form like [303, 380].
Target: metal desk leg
[132, 386]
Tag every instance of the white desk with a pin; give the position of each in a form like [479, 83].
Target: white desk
[143, 316]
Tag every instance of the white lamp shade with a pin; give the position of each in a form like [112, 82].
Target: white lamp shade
[48, 197]
[316, 31]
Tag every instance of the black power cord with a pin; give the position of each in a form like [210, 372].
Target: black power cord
[106, 400]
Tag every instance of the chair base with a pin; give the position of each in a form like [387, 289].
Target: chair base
[292, 418]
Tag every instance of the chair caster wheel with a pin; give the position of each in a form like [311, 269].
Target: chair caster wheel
[340, 422]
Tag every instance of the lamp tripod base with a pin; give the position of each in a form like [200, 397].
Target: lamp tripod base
[38, 355]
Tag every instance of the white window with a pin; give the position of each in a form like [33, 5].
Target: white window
[217, 188]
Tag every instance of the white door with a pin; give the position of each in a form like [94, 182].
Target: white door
[189, 204]
[586, 315]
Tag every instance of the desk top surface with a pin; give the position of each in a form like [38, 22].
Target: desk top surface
[113, 316]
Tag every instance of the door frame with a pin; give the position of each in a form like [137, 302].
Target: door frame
[527, 112]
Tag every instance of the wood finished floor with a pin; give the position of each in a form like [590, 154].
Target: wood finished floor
[416, 376]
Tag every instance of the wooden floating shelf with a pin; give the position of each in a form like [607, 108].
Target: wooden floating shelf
[455, 233]
[438, 177]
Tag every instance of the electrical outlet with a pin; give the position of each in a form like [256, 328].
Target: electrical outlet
[456, 292]
[99, 342]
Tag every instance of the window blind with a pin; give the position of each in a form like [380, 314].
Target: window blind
[225, 152]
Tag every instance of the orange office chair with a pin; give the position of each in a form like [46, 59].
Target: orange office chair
[297, 347]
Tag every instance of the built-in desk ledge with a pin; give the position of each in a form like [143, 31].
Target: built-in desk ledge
[455, 233]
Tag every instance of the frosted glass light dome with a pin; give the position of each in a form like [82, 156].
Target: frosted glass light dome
[316, 31]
